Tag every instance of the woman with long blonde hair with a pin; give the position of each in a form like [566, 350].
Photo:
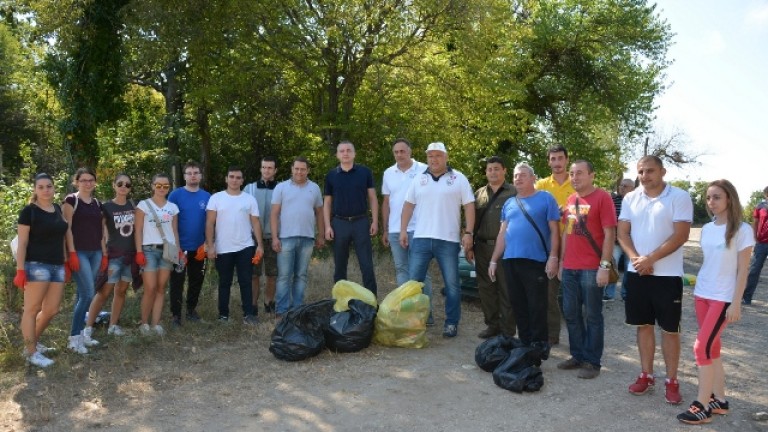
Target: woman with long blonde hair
[727, 245]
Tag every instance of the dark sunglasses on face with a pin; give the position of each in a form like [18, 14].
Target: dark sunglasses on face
[121, 184]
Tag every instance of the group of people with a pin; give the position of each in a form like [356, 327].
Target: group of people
[542, 248]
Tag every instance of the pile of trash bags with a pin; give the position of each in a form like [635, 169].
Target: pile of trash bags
[351, 320]
[515, 366]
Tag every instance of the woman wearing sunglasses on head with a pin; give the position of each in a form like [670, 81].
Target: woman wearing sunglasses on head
[85, 241]
[121, 252]
[152, 215]
[40, 266]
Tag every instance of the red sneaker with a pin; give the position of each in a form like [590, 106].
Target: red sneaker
[644, 383]
[672, 393]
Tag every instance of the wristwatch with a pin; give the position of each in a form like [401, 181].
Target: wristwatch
[605, 264]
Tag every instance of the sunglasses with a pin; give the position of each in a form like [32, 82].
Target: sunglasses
[121, 184]
[159, 186]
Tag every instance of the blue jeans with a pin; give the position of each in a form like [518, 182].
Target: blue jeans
[759, 253]
[610, 289]
[356, 232]
[226, 264]
[400, 257]
[85, 278]
[422, 250]
[292, 264]
[585, 333]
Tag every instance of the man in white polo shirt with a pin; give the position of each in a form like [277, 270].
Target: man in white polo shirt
[394, 186]
[654, 223]
[437, 195]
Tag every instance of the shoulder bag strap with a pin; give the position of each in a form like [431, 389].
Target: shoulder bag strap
[487, 206]
[157, 219]
[536, 227]
[586, 232]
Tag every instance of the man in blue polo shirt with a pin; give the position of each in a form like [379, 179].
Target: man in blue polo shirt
[348, 193]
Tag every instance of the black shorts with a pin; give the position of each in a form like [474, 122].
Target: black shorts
[268, 262]
[654, 299]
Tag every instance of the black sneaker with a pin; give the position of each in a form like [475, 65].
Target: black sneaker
[570, 364]
[223, 319]
[193, 316]
[250, 320]
[696, 414]
[450, 330]
[176, 321]
[718, 406]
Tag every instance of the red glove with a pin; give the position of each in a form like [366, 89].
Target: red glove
[141, 259]
[257, 258]
[104, 263]
[67, 273]
[200, 255]
[74, 262]
[21, 279]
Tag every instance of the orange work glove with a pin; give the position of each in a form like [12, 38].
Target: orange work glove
[141, 259]
[74, 262]
[21, 279]
[200, 254]
[104, 263]
[257, 258]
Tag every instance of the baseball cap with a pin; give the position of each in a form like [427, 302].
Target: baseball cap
[437, 146]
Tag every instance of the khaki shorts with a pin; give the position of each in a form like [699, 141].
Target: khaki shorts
[268, 263]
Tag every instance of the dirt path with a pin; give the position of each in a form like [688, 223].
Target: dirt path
[205, 378]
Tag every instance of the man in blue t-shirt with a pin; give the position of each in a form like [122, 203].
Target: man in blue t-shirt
[192, 201]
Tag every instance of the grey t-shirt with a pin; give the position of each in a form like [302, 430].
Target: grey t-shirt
[297, 211]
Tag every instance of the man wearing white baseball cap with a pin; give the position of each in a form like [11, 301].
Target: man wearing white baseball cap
[437, 195]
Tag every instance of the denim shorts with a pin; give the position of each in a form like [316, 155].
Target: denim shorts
[42, 272]
[118, 270]
[155, 259]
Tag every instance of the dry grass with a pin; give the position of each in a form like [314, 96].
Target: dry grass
[132, 368]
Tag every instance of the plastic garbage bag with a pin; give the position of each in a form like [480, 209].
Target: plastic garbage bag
[491, 352]
[528, 379]
[344, 291]
[351, 330]
[300, 334]
[402, 317]
[520, 370]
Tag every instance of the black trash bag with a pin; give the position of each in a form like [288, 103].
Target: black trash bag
[491, 352]
[299, 335]
[528, 379]
[351, 330]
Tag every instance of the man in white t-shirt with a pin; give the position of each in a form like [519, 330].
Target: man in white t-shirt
[394, 186]
[654, 223]
[232, 221]
[437, 195]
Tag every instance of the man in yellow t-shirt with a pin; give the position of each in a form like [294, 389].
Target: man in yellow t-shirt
[559, 185]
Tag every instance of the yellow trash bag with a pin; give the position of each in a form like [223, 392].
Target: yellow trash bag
[689, 279]
[402, 317]
[344, 291]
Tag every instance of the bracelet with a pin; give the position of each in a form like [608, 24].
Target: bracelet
[602, 268]
[553, 257]
[492, 263]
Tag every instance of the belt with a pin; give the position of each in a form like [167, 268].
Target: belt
[486, 242]
[154, 246]
[350, 218]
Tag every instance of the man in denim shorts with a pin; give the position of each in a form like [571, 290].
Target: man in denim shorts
[654, 224]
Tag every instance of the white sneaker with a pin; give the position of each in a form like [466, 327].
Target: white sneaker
[87, 340]
[42, 349]
[145, 330]
[159, 330]
[116, 330]
[39, 360]
[76, 344]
